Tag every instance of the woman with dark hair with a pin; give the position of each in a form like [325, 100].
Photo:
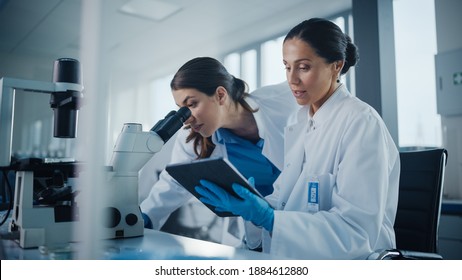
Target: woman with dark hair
[226, 121]
[337, 195]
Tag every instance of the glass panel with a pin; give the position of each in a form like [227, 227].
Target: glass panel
[162, 99]
[418, 122]
[232, 62]
[340, 21]
[351, 75]
[249, 68]
[272, 68]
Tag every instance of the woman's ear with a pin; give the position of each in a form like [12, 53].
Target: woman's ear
[222, 94]
[339, 65]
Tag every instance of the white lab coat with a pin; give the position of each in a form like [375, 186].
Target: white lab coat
[275, 104]
[347, 148]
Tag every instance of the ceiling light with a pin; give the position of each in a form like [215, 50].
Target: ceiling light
[150, 9]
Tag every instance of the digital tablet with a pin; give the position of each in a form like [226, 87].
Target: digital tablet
[217, 170]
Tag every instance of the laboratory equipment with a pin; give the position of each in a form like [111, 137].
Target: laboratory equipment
[43, 221]
[448, 71]
[66, 95]
[37, 222]
[44, 210]
[133, 148]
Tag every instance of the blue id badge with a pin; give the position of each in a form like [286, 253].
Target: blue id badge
[313, 196]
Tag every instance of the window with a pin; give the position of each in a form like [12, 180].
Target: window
[161, 99]
[418, 122]
[261, 64]
[249, 68]
[272, 69]
[232, 62]
[244, 66]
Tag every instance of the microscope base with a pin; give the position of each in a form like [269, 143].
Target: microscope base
[123, 214]
[38, 225]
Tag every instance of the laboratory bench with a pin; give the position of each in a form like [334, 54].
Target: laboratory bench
[161, 245]
[154, 245]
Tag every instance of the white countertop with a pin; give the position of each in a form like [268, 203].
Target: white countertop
[155, 245]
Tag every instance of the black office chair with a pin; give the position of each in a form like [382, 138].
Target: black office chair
[419, 205]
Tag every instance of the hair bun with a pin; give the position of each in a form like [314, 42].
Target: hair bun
[351, 55]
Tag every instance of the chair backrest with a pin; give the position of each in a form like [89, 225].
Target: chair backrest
[419, 203]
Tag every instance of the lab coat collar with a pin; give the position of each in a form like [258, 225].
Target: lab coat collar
[327, 110]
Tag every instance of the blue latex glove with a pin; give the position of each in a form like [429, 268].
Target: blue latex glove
[147, 221]
[251, 207]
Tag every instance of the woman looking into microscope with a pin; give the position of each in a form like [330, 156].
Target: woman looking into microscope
[226, 121]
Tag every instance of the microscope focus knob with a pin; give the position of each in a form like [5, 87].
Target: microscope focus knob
[131, 219]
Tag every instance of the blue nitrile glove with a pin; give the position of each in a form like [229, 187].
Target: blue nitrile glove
[147, 221]
[251, 207]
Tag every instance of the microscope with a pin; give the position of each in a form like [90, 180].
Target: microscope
[132, 150]
[46, 207]
[43, 209]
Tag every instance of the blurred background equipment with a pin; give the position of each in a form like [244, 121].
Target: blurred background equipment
[43, 207]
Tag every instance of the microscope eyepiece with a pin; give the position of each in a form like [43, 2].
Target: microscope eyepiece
[67, 70]
[172, 122]
[184, 113]
[65, 104]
